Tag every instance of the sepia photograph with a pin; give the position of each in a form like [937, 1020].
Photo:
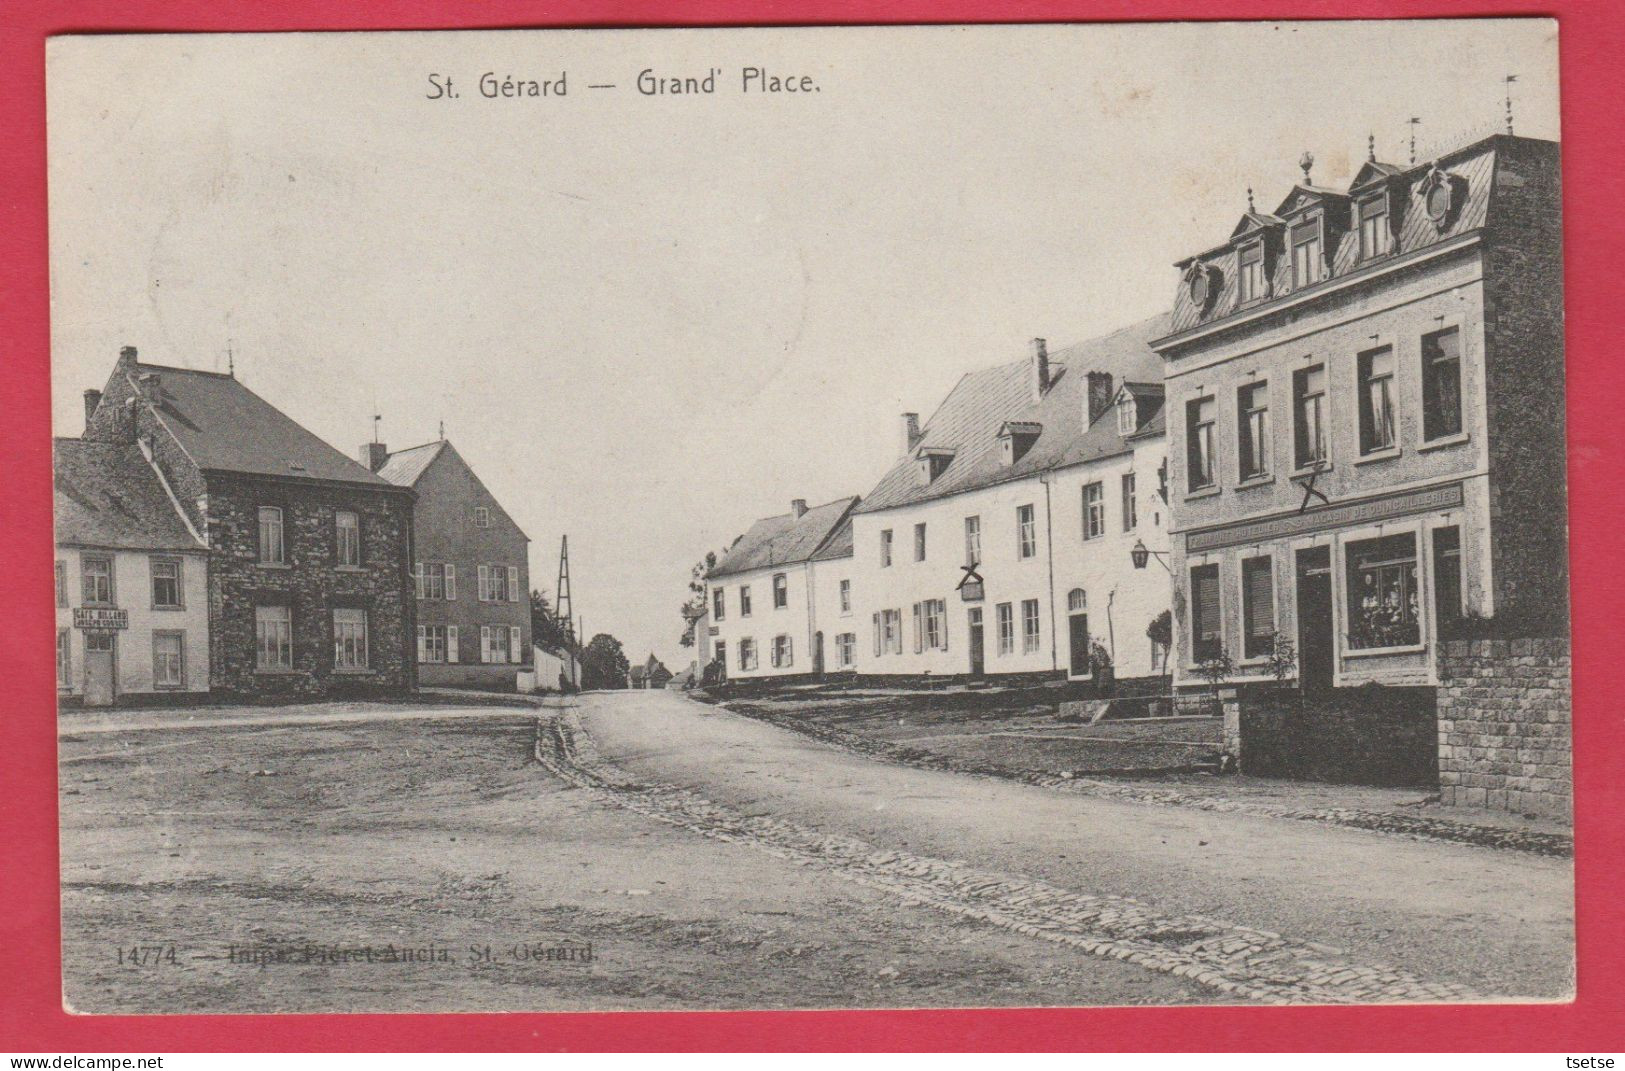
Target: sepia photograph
[890, 517]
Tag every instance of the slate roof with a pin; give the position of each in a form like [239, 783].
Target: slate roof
[107, 495]
[1475, 164]
[785, 539]
[839, 545]
[225, 426]
[983, 401]
[405, 466]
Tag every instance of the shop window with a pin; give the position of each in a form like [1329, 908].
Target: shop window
[1382, 602]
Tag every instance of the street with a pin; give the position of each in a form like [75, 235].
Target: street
[715, 861]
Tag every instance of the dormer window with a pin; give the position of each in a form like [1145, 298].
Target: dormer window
[1308, 258]
[1128, 414]
[1442, 194]
[1251, 279]
[1016, 438]
[934, 461]
[1376, 236]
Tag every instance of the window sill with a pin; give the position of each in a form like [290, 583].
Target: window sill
[337, 672]
[349, 569]
[167, 609]
[1378, 652]
[169, 687]
[272, 565]
[1378, 456]
[1203, 492]
[1444, 441]
[1256, 481]
[259, 672]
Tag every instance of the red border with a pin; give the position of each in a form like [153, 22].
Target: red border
[30, 1009]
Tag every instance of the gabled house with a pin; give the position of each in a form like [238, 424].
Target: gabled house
[132, 599]
[776, 593]
[470, 570]
[1002, 540]
[308, 552]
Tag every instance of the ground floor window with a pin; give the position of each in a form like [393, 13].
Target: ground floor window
[169, 659]
[846, 649]
[1005, 612]
[889, 632]
[782, 654]
[1447, 574]
[273, 637]
[930, 625]
[437, 643]
[1206, 639]
[1029, 626]
[64, 658]
[349, 639]
[1382, 603]
[501, 644]
[1258, 607]
[747, 653]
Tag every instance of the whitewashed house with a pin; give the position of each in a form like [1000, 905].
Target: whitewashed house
[1003, 541]
[778, 590]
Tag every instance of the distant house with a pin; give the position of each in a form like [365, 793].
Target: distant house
[652, 673]
[132, 599]
[773, 594]
[308, 552]
[471, 570]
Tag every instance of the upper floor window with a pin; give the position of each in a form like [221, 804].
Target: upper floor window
[846, 596]
[919, 542]
[973, 540]
[482, 517]
[1094, 511]
[1308, 261]
[347, 532]
[1128, 415]
[96, 580]
[1250, 278]
[437, 580]
[718, 602]
[1376, 375]
[1375, 236]
[1199, 417]
[62, 583]
[744, 600]
[1131, 509]
[885, 547]
[1441, 384]
[272, 549]
[1026, 532]
[781, 591]
[166, 583]
[1309, 411]
[1253, 430]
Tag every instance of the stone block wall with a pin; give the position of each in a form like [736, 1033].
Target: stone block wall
[1505, 725]
[1371, 735]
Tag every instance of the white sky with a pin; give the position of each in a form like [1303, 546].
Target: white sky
[647, 321]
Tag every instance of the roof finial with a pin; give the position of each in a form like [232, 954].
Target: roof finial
[1509, 80]
[1250, 199]
[1414, 122]
[442, 431]
[231, 360]
[1306, 161]
[377, 418]
[1371, 147]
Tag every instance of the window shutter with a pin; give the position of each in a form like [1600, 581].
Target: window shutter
[942, 610]
[877, 635]
[789, 651]
[515, 652]
[485, 643]
[419, 578]
[451, 644]
[1260, 610]
[919, 631]
[422, 650]
[485, 583]
[451, 581]
[1206, 598]
[513, 583]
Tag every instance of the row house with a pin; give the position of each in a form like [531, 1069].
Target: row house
[1012, 535]
[470, 570]
[780, 601]
[132, 603]
[308, 573]
[1365, 391]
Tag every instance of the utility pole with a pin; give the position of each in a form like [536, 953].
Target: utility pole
[563, 609]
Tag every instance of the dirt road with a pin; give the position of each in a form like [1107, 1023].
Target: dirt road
[1493, 922]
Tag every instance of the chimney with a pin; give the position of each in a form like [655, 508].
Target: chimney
[373, 455]
[1040, 368]
[93, 398]
[911, 432]
[126, 359]
[151, 387]
[1100, 395]
[798, 507]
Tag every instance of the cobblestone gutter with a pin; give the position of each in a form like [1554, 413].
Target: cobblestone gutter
[1241, 963]
[1414, 827]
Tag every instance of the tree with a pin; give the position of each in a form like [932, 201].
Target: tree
[603, 663]
[695, 607]
[1161, 633]
[545, 628]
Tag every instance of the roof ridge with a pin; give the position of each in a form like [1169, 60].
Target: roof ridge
[188, 371]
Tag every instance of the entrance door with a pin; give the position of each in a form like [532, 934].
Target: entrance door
[818, 654]
[1078, 624]
[100, 684]
[974, 617]
[1315, 623]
